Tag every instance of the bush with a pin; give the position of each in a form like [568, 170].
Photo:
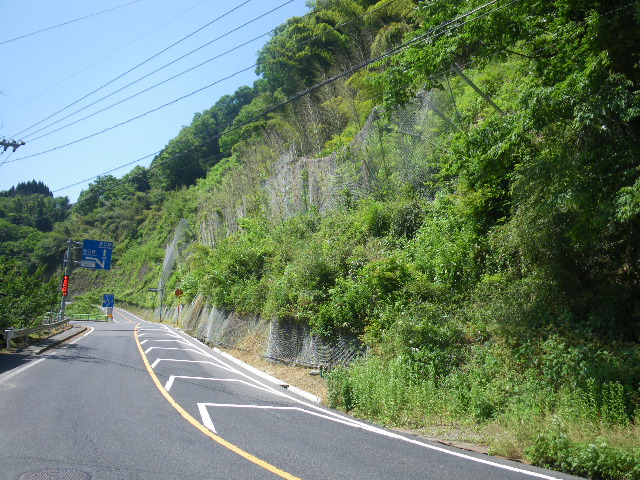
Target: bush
[596, 460]
[87, 303]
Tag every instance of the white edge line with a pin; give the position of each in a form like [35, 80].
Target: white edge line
[8, 376]
[206, 420]
[20, 370]
[202, 407]
[91, 329]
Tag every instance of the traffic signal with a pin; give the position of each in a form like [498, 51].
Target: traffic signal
[65, 285]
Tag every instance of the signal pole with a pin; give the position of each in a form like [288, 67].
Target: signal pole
[66, 266]
[65, 279]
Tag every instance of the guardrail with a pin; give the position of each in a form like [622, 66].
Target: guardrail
[12, 333]
[97, 317]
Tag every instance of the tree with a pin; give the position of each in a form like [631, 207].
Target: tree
[27, 295]
[27, 188]
[555, 173]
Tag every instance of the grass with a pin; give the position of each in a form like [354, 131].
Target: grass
[582, 431]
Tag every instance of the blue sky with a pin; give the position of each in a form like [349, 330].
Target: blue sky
[53, 70]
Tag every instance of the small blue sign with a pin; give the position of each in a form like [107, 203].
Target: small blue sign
[96, 254]
[108, 300]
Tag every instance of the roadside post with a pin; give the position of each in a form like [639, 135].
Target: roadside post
[159, 290]
[178, 293]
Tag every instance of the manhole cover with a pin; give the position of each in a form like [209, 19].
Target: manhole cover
[56, 474]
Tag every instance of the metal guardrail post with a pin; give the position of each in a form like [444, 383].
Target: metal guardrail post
[8, 335]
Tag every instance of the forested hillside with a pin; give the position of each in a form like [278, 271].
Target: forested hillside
[454, 184]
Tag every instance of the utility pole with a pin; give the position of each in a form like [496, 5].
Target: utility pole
[65, 279]
[66, 267]
[11, 143]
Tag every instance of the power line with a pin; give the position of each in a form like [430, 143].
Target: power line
[169, 103]
[229, 124]
[100, 59]
[437, 31]
[157, 70]
[133, 118]
[67, 23]
[137, 66]
[174, 61]
[80, 182]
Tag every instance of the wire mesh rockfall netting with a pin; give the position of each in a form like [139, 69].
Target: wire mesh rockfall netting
[388, 152]
[284, 341]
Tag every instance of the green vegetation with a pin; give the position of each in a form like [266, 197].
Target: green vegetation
[24, 295]
[491, 268]
[86, 304]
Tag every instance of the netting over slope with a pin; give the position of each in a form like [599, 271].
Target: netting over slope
[289, 342]
[384, 154]
[171, 254]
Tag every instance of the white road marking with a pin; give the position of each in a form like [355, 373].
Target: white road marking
[333, 416]
[157, 361]
[207, 422]
[159, 335]
[91, 329]
[177, 348]
[4, 378]
[8, 376]
[172, 340]
[172, 378]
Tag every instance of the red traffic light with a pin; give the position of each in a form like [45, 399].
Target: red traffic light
[65, 285]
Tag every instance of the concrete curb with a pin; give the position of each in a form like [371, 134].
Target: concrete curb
[61, 338]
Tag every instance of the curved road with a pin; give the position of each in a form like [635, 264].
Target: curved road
[139, 400]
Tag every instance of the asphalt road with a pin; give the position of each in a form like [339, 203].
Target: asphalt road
[138, 400]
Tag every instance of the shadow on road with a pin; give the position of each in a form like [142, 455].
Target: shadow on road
[9, 361]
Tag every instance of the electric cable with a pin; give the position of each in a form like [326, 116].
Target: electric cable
[344, 73]
[67, 23]
[300, 94]
[155, 71]
[135, 67]
[174, 61]
[133, 118]
[169, 103]
[101, 59]
[305, 92]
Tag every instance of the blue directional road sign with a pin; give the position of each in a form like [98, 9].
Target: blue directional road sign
[96, 254]
[107, 300]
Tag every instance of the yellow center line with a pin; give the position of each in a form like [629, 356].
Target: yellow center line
[201, 427]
